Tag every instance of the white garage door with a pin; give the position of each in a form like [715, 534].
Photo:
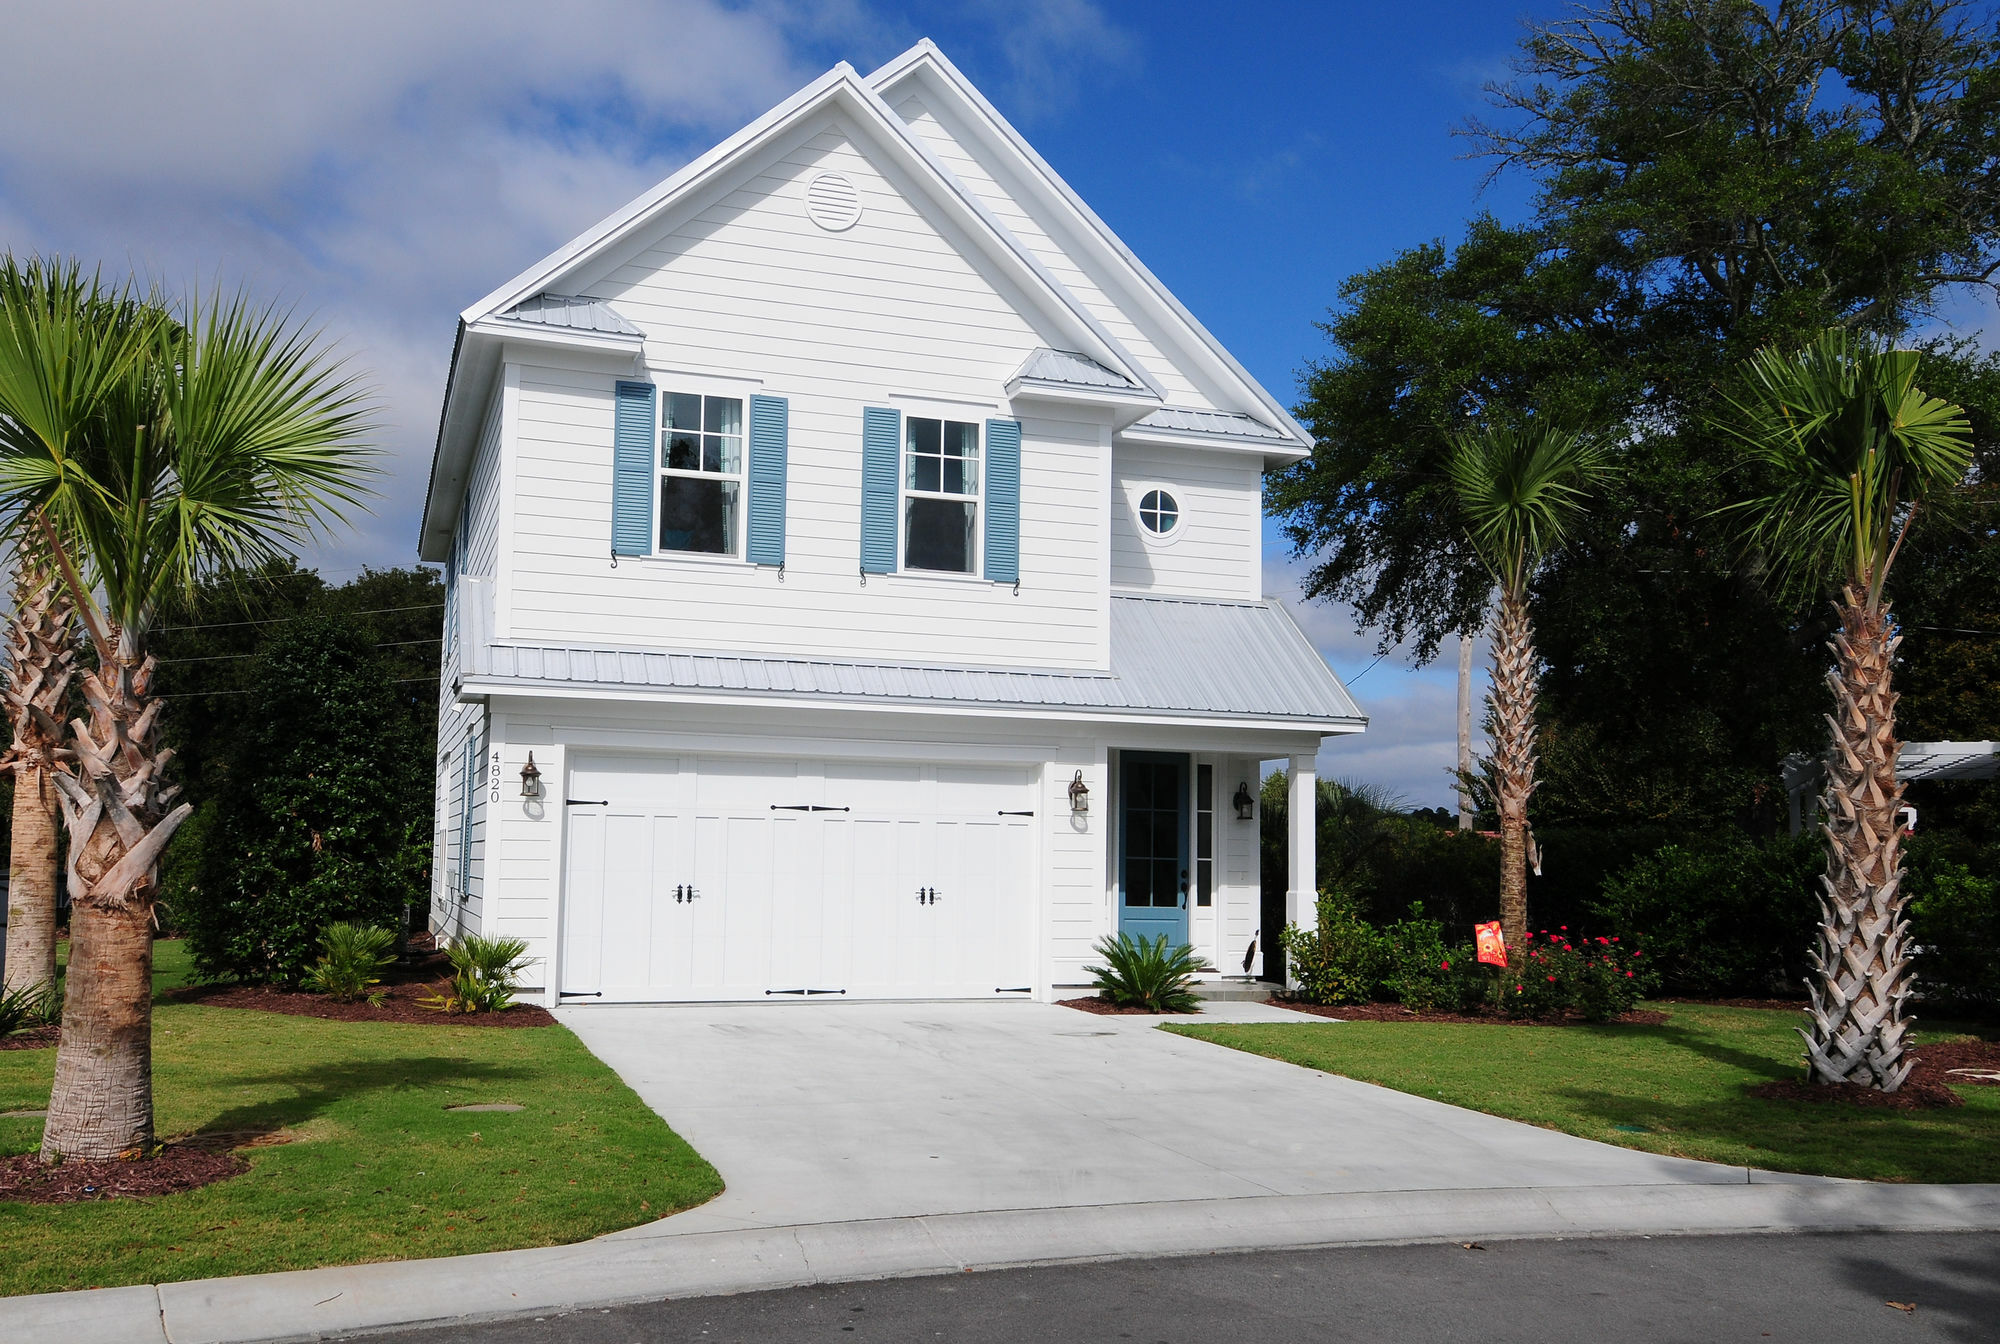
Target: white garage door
[716, 877]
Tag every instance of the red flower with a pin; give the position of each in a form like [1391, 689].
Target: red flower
[1444, 965]
[1614, 940]
[1564, 927]
[1517, 989]
[1628, 975]
[1552, 979]
[1635, 956]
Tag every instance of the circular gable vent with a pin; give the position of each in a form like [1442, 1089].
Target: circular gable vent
[833, 202]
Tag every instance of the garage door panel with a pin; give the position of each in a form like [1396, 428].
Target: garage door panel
[806, 876]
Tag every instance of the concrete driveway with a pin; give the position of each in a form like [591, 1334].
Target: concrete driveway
[834, 1112]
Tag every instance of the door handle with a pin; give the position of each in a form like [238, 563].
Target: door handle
[692, 893]
[677, 894]
[927, 896]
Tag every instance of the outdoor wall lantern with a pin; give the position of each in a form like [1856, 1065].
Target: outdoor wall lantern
[1079, 794]
[1243, 802]
[531, 779]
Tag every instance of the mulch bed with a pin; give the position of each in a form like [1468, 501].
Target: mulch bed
[1396, 1012]
[1104, 1008]
[399, 1005]
[1931, 1084]
[402, 987]
[180, 1166]
[34, 1038]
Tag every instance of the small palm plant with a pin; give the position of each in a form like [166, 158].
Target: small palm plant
[1849, 450]
[1140, 974]
[1520, 491]
[485, 972]
[350, 957]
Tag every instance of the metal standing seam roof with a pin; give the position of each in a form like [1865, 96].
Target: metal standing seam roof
[1168, 655]
[1186, 420]
[563, 310]
[1066, 366]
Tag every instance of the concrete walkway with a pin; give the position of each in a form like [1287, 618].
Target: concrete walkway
[876, 1140]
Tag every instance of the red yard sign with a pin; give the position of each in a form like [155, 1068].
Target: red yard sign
[1492, 947]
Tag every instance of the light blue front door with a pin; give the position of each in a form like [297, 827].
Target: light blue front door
[1153, 846]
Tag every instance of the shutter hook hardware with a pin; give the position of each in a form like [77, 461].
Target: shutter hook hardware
[864, 575]
[781, 571]
[614, 555]
[1017, 585]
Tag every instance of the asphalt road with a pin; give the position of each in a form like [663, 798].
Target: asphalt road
[1705, 1290]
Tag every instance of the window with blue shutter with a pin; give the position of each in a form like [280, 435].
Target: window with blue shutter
[881, 446]
[768, 431]
[633, 474]
[1003, 501]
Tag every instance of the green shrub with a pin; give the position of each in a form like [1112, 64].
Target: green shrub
[1138, 973]
[350, 956]
[1339, 961]
[26, 1009]
[1727, 917]
[485, 972]
[1955, 922]
[1554, 978]
[308, 826]
[1427, 975]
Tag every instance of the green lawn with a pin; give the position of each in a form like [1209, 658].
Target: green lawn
[1676, 1089]
[376, 1169]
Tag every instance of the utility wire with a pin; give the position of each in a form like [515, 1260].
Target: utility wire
[276, 620]
[197, 695]
[228, 657]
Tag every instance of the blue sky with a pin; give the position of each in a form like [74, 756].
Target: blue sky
[383, 164]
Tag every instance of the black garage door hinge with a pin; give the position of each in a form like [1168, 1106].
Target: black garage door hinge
[805, 807]
[1021, 989]
[586, 802]
[803, 993]
[579, 993]
[1005, 813]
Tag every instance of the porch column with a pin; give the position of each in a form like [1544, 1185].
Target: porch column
[1301, 889]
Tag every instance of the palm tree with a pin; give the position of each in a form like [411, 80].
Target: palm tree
[1520, 491]
[149, 450]
[41, 662]
[1849, 451]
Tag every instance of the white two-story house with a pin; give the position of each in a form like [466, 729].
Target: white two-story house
[865, 548]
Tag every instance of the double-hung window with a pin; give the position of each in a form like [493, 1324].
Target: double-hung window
[701, 473]
[941, 495]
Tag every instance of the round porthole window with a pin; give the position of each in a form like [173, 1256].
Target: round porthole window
[1159, 512]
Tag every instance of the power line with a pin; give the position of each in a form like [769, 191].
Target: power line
[276, 620]
[1951, 630]
[227, 657]
[197, 695]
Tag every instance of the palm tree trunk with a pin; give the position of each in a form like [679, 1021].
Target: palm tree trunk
[38, 677]
[1514, 688]
[1858, 1027]
[118, 821]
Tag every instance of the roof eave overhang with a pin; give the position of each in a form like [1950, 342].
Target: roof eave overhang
[475, 363]
[1127, 405]
[480, 687]
[1280, 451]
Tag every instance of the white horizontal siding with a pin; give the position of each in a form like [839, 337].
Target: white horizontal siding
[1217, 551]
[885, 313]
[1181, 391]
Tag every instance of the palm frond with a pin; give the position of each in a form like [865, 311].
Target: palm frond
[1521, 489]
[1846, 445]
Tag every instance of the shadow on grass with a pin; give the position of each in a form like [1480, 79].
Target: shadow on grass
[318, 1087]
[1698, 1041]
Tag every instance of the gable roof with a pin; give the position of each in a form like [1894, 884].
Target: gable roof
[926, 67]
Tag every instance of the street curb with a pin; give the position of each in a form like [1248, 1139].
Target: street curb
[643, 1265]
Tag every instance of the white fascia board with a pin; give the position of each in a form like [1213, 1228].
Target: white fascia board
[572, 338]
[1127, 405]
[925, 60]
[475, 686]
[1280, 452]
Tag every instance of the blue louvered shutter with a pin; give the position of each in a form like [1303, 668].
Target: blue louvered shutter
[1003, 501]
[633, 476]
[766, 536]
[881, 443]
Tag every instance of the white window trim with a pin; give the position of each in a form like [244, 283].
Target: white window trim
[664, 386]
[1147, 534]
[906, 492]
